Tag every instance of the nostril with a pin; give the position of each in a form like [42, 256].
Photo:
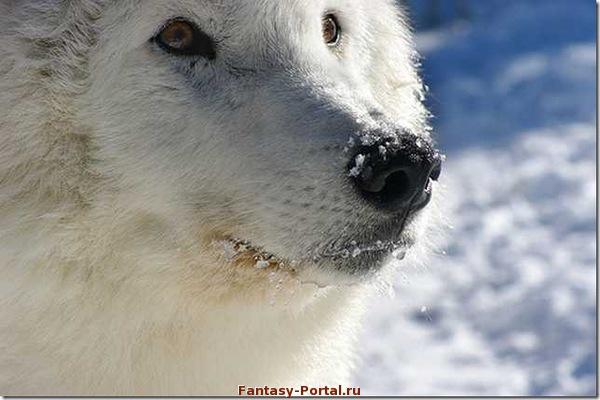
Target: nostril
[388, 188]
[397, 187]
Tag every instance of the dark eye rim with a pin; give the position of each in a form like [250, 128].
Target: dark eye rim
[330, 15]
[202, 44]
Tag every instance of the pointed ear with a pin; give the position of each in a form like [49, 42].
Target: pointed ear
[394, 72]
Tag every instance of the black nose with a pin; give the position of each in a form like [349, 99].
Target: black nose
[396, 174]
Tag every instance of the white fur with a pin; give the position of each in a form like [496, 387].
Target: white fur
[120, 165]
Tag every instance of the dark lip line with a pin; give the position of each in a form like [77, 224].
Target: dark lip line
[351, 250]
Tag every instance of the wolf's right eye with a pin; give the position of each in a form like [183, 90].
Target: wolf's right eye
[181, 37]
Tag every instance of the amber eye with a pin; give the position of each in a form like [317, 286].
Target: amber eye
[331, 30]
[181, 37]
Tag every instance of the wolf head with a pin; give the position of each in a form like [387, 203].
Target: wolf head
[269, 131]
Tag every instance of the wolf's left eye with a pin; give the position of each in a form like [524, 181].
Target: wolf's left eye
[331, 30]
[181, 37]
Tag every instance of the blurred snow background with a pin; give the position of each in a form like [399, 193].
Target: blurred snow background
[510, 308]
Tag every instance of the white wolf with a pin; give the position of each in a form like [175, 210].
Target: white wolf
[198, 194]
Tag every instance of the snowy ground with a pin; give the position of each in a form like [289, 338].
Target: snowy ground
[509, 309]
